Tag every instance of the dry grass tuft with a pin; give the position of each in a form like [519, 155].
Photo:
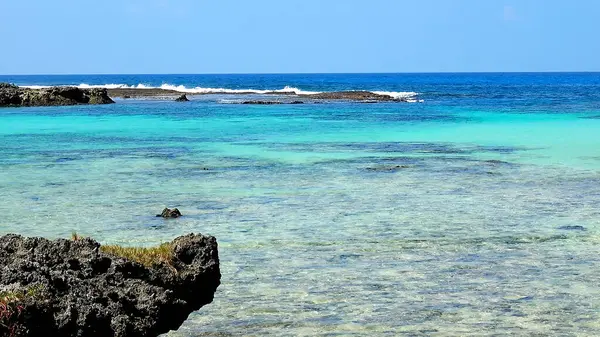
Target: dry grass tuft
[146, 256]
[76, 237]
[16, 295]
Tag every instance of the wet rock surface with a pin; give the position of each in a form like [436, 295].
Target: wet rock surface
[83, 291]
[354, 96]
[11, 95]
[144, 93]
[182, 98]
[169, 213]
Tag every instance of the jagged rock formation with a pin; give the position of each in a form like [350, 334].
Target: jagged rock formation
[182, 98]
[79, 288]
[170, 213]
[12, 95]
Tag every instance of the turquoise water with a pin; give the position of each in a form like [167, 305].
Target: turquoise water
[490, 226]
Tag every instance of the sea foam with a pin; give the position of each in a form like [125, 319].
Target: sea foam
[409, 96]
[184, 89]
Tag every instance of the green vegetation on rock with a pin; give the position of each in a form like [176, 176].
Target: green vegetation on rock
[146, 256]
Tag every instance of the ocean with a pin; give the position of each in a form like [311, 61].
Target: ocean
[473, 210]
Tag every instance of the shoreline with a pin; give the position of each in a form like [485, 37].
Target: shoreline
[352, 95]
[12, 95]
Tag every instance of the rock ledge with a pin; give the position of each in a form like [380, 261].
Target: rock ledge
[80, 290]
[12, 95]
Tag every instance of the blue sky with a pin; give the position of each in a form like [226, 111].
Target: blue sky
[274, 36]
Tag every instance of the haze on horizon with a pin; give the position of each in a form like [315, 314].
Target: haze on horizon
[297, 36]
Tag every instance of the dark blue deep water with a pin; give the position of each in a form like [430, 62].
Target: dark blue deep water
[511, 89]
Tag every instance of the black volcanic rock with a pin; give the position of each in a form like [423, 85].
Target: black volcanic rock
[11, 95]
[170, 213]
[182, 98]
[83, 291]
[8, 86]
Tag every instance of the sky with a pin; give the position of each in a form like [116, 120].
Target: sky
[297, 36]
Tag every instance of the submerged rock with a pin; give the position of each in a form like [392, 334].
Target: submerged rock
[262, 102]
[182, 98]
[387, 168]
[271, 102]
[170, 213]
[67, 288]
[11, 95]
[572, 228]
[496, 162]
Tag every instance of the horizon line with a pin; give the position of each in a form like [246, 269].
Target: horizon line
[320, 73]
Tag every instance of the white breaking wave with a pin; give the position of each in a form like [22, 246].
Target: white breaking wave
[35, 86]
[397, 94]
[200, 90]
[184, 89]
[86, 86]
[230, 101]
[408, 96]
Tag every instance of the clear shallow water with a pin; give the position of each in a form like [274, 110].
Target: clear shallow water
[470, 236]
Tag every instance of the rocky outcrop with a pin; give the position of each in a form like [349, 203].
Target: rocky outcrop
[11, 95]
[80, 288]
[283, 97]
[169, 213]
[354, 96]
[182, 98]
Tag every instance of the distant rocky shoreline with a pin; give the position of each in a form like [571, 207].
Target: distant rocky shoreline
[14, 96]
[353, 95]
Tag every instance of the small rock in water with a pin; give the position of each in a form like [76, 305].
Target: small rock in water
[572, 228]
[169, 213]
[182, 98]
[387, 168]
